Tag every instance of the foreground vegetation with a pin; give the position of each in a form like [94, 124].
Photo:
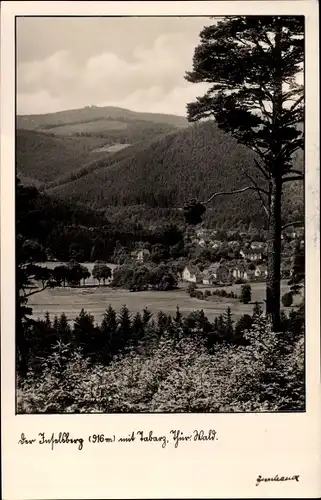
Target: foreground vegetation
[168, 365]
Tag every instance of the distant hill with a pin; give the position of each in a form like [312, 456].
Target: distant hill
[92, 113]
[117, 125]
[192, 162]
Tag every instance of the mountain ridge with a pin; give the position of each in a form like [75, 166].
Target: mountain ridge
[161, 172]
[93, 113]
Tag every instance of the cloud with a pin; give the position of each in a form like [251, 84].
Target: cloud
[156, 100]
[38, 103]
[152, 78]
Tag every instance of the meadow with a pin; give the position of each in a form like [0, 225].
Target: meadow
[95, 300]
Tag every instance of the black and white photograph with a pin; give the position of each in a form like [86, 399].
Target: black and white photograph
[160, 249]
[160, 214]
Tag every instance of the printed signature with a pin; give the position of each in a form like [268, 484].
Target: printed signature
[277, 478]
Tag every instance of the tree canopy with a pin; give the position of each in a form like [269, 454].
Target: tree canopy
[252, 64]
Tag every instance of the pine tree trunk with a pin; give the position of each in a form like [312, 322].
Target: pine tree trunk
[273, 287]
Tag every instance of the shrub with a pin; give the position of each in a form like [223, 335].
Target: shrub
[199, 294]
[177, 375]
[207, 294]
[287, 299]
[191, 289]
[246, 294]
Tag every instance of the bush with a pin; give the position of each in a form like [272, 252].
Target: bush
[287, 299]
[178, 375]
[137, 277]
[191, 289]
[207, 294]
[224, 293]
[199, 295]
[246, 294]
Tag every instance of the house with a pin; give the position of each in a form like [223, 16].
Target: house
[239, 272]
[208, 277]
[260, 272]
[216, 272]
[143, 255]
[252, 255]
[236, 273]
[216, 244]
[192, 274]
[249, 275]
[257, 245]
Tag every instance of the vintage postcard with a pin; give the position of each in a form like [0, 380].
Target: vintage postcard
[160, 250]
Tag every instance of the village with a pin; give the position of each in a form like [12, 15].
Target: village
[239, 260]
[203, 257]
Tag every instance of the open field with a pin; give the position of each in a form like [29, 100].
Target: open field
[111, 148]
[95, 300]
[88, 127]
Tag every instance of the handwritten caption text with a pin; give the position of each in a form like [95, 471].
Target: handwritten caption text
[174, 438]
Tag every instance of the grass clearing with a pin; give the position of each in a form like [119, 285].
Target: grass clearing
[95, 300]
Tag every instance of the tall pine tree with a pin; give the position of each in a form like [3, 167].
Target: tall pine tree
[108, 333]
[251, 64]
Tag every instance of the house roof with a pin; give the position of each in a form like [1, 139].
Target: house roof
[193, 269]
[215, 266]
[207, 274]
[251, 251]
[257, 243]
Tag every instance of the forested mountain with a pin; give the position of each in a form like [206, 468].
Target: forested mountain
[113, 159]
[194, 162]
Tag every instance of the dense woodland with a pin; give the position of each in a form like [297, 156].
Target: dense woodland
[189, 163]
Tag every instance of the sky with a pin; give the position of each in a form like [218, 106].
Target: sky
[133, 63]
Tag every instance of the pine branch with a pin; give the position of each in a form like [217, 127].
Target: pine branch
[262, 170]
[36, 291]
[293, 178]
[267, 40]
[293, 223]
[247, 45]
[247, 188]
[294, 171]
[259, 191]
[297, 103]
